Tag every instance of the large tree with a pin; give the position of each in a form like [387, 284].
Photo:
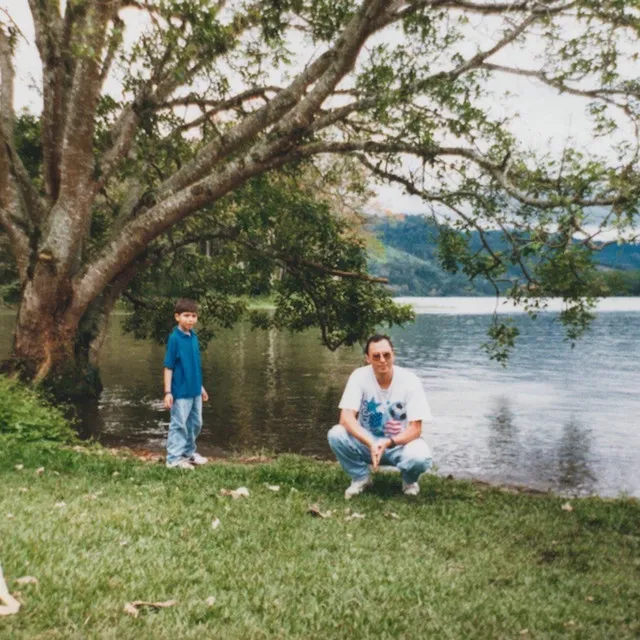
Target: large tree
[141, 136]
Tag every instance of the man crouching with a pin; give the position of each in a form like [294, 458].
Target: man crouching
[382, 410]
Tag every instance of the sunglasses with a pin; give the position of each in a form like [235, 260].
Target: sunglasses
[387, 355]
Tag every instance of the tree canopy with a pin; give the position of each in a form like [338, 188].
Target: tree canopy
[157, 114]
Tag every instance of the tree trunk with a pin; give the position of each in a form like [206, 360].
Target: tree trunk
[52, 347]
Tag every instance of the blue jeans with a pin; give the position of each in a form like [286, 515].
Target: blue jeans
[185, 425]
[411, 459]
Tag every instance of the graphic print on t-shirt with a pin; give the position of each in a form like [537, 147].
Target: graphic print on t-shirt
[382, 420]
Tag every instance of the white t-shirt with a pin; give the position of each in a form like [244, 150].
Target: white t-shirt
[385, 412]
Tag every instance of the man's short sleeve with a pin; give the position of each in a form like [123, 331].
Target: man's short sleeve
[171, 356]
[417, 405]
[352, 395]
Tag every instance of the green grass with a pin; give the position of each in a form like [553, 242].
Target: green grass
[460, 562]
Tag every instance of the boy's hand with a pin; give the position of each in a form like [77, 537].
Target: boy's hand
[205, 395]
[168, 401]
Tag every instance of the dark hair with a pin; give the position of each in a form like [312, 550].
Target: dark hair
[377, 338]
[185, 305]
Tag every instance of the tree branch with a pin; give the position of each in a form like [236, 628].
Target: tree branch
[11, 166]
[50, 30]
[115, 40]
[538, 8]
[340, 56]
[218, 106]
[600, 94]
[430, 153]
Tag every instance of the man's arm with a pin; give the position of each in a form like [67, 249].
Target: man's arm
[168, 398]
[412, 432]
[349, 420]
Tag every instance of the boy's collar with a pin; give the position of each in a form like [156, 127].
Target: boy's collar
[186, 333]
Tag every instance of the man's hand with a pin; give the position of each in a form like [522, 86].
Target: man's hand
[378, 447]
[168, 401]
[205, 395]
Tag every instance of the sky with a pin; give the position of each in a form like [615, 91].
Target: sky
[545, 121]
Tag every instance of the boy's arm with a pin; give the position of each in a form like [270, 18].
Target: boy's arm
[168, 398]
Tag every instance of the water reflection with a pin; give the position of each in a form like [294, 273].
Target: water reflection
[503, 442]
[557, 417]
[562, 461]
[574, 449]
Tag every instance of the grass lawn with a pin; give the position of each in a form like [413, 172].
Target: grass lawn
[458, 561]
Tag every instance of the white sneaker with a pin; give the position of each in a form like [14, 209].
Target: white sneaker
[183, 463]
[357, 487]
[412, 489]
[197, 459]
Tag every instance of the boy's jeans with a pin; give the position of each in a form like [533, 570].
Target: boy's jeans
[185, 425]
[354, 457]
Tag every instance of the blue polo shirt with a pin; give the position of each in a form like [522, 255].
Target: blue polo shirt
[183, 358]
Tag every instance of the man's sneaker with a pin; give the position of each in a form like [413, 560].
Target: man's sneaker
[357, 487]
[183, 463]
[197, 459]
[410, 489]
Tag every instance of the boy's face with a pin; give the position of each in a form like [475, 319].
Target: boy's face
[186, 320]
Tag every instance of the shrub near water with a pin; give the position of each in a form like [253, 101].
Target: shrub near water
[25, 416]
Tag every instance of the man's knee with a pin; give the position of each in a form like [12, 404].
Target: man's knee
[336, 434]
[417, 456]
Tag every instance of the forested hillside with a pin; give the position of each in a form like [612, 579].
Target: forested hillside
[407, 255]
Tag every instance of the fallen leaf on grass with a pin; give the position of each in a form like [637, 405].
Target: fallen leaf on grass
[19, 467]
[39, 471]
[60, 505]
[11, 605]
[314, 510]
[589, 598]
[240, 492]
[211, 600]
[355, 516]
[10, 516]
[392, 515]
[115, 474]
[23, 489]
[215, 524]
[132, 608]
[567, 507]
[273, 487]
[27, 580]
[570, 623]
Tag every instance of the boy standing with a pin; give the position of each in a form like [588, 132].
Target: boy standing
[183, 390]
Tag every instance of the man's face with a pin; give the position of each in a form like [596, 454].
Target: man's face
[186, 320]
[380, 356]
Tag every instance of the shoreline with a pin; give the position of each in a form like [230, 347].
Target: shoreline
[153, 456]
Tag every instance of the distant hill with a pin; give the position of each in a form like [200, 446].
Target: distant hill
[408, 258]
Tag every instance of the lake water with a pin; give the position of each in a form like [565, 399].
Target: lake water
[556, 418]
